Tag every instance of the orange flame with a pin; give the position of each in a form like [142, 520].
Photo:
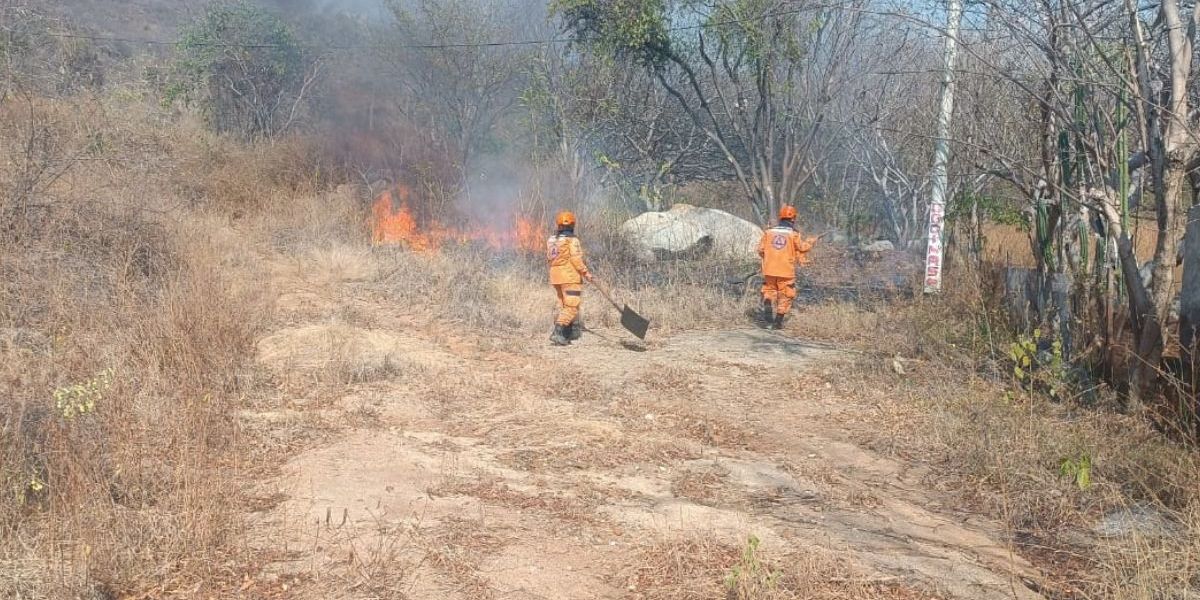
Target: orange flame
[529, 237]
[393, 222]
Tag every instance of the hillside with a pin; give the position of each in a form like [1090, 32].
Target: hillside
[275, 313]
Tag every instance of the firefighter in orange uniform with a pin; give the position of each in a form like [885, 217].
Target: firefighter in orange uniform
[564, 255]
[782, 249]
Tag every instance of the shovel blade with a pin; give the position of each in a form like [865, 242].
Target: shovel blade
[634, 323]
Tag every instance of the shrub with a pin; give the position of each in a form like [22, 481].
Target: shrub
[244, 68]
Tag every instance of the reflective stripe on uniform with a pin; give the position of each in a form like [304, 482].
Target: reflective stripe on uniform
[573, 292]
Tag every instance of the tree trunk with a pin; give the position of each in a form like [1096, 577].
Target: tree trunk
[1171, 175]
[1189, 312]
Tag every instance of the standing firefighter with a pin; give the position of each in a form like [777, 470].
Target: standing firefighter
[782, 249]
[564, 255]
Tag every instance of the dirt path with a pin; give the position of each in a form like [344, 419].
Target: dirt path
[453, 466]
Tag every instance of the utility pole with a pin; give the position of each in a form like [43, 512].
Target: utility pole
[934, 259]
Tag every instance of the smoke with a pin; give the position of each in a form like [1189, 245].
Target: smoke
[500, 187]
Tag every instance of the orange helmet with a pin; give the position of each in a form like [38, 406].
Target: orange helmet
[787, 213]
[565, 218]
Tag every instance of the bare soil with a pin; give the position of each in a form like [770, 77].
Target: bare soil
[442, 461]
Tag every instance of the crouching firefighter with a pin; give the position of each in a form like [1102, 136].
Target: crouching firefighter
[564, 255]
[782, 249]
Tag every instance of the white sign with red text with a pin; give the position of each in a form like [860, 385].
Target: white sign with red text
[933, 253]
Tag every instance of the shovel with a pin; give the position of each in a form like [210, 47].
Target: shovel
[635, 323]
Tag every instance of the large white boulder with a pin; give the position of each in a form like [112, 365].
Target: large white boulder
[662, 235]
[691, 231]
[733, 238]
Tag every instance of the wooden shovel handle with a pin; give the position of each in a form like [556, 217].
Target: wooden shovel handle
[604, 292]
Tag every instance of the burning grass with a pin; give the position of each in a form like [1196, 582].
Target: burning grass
[393, 221]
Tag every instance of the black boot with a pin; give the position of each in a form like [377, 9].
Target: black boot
[575, 330]
[559, 337]
[768, 311]
[777, 324]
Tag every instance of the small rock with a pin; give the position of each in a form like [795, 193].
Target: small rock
[1139, 519]
[877, 247]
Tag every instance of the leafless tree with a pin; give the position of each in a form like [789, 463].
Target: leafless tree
[456, 81]
[1109, 85]
[756, 78]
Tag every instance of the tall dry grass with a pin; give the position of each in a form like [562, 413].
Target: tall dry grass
[128, 313]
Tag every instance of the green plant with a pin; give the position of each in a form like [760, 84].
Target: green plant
[1079, 470]
[751, 577]
[1023, 353]
[80, 399]
[1046, 372]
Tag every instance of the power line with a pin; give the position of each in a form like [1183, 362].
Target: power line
[447, 46]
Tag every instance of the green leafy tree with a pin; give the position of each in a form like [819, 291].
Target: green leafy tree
[245, 69]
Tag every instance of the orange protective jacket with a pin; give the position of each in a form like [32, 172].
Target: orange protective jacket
[564, 255]
[783, 249]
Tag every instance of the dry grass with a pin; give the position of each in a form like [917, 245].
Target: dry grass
[1010, 456]
[1009, 244]
[378, 562]
[457, 548]
[147, 468]
[704, 485]
[701, 568]
[1007, 453]
[145, 277]
[997, 453]
[507, 292]
[126, 331]
[568, 508]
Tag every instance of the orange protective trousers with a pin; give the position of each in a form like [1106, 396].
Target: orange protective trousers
[570, 296]
[779, 291]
